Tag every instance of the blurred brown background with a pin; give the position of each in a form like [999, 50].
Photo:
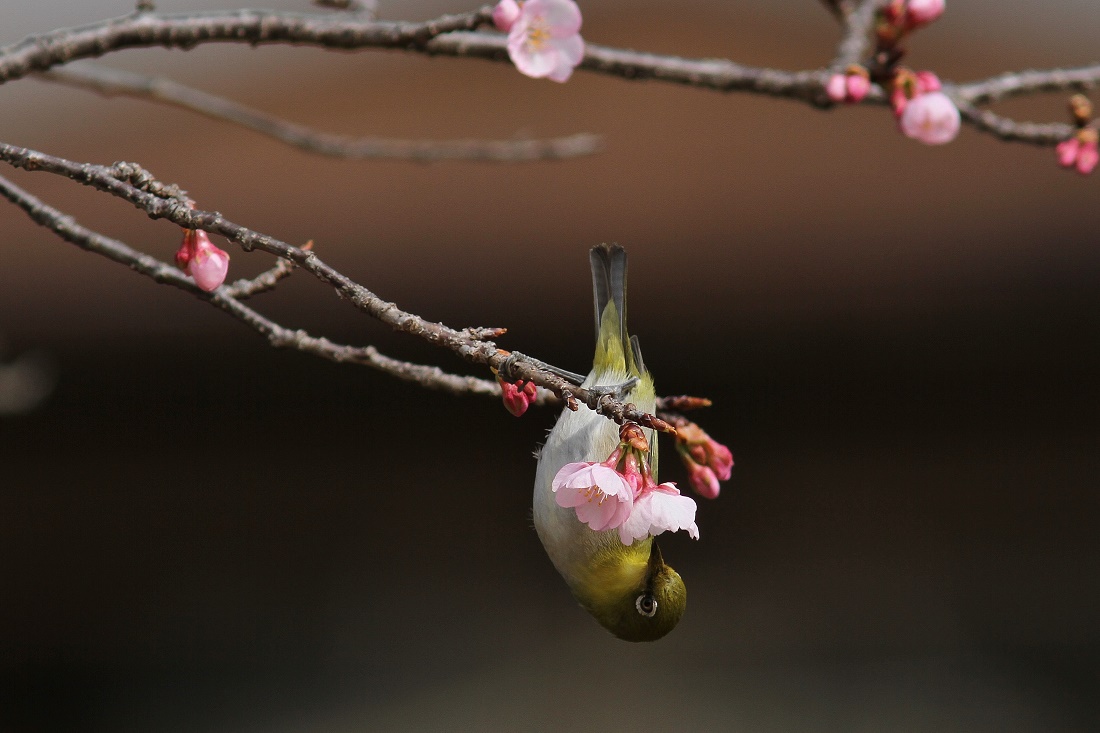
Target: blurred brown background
[198, 533]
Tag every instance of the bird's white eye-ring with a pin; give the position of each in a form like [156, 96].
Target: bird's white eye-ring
[646, 605]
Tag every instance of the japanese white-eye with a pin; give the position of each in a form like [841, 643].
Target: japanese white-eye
[627, 588]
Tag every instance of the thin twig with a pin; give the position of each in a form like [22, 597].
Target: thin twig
[267, 280]
[115, 82]
[1016, 83]
[857, 22]
[1048, 133]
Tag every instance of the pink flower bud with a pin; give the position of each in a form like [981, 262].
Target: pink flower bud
[208, 265]
[531, 390]
[719, 459]
[931, 118]
[1088, 157]
[923, 12]
[836, 87]
[928, 82]
[505, 14]
[1067, 151]
[516, 395]
[858, 86]
[851, 86]
[703, 481]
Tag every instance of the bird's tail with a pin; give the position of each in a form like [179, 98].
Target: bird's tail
[615, 350]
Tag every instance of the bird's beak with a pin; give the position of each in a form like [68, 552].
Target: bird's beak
[656, 560]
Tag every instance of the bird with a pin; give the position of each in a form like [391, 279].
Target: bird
[622, 580]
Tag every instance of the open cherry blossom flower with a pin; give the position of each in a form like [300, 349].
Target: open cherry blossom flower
[544, 40]
[628, 499]
[660, 509]
[600, 495]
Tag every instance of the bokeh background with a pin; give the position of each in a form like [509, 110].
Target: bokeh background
[199, 533]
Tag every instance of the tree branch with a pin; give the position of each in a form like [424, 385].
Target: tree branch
[115, 82]
[452, 35]
[228, 298]
[118, 179]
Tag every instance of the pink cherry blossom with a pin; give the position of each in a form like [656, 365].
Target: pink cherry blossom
[931, 118]
[660, 509]
[600, 495]
[923, 12]
[544, 41]
[505, 14]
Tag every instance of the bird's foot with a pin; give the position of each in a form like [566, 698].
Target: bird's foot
[617, 391]
[563, 373]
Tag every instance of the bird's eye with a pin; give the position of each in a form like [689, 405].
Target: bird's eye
[646, 605]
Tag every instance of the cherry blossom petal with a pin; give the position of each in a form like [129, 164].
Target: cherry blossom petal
[562, 17]
[662, 509]
[588, 475]
[570, 51]
[606, 512]
[537, 61]
[600, 495]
